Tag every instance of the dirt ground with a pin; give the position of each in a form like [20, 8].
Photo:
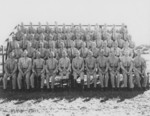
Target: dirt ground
[65, 103]
[88, 103]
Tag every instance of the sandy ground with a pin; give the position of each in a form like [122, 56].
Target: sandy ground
[123, 103]
[136, 103]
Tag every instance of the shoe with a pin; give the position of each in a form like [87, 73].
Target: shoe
[82, 85]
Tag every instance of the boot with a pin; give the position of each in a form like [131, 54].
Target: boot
[82, 85]
[74, 84]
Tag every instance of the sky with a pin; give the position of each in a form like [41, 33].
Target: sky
[134, 13]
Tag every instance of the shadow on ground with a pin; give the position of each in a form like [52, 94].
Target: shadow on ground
[70, 96]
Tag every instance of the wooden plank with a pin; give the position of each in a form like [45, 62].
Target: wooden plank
[77, 25]
[3, 59]
[2, 54]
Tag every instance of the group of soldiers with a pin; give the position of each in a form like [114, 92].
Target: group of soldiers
[101, 53]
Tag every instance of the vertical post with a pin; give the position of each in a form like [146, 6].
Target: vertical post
[3, 59]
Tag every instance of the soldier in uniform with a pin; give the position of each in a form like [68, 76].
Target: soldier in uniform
[78, 41]
[127, 68]
[84, 51]
[17, 52]
[12, 44]
[24, 66]
[78, 68]
[24, 43]
[139, 67]
[114, 67]
[31, 30]
[30, 51]
[64, 66]
[42, 51]
[38, 68]
[103, 66]
[10, 68]
[51, 70]
[90, 63]
[95, 50]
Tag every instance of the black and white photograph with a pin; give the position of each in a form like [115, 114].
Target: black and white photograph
[74, 57]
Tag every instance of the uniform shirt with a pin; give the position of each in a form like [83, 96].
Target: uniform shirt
[95, 52]
[24, 43]
[24, 62]
[31, 30]
[77, 63]
[102, 62]
[72, 52]
[139, 62]
[47, 29]
[126, 62]
[59, 51]
[42, 52]
[99, 43]
[51, 63]
[120, 43]
[113, 62]
[117, 51]
[23, 29]
[84, 52]
[64, 63]
[10, 65]
[29, 37]
[40, 30]
[34, 43]
[17, 53]
[129, 50]
[78, 43]
[19, 35]
[38, 63]
[106, 51]
[30, 52]
[109, 42]
[91, 63]
[12, 45]
[36, 36]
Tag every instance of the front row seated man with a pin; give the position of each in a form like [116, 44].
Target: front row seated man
[78, 69]
[102, 65]
[37, 71]
[140, 70]
[114, 67]
[90, 63]
[10, 68]
[127, 68]
[24, 66]
[51, 70]
[64, 66]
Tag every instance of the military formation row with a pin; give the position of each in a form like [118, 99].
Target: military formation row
[106, 68]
